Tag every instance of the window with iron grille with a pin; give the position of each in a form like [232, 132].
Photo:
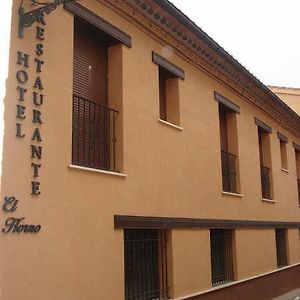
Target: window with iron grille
[93, 121]
[298, 187]
[228, 140]
[297, 158]
[145, 254]
[221, 256]
[265, 174]
[281, 247]
[228, 162]
[265, 171]
[264, 145]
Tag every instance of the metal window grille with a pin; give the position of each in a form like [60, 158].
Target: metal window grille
[93, 135]
[221, 256]
[228, 172]
[145, 253]
[265, 182]
[298, 184]
[281, 247]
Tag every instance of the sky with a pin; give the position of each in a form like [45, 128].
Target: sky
[263, 35]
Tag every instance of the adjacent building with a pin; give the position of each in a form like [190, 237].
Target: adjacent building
[141, 161]
[291, 96]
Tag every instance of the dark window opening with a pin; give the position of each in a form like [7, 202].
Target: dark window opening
[298, 186]
[168, 85]
[163, 76]
[145, 253]
[281, 247]
[297, 158]
[265, 174]
[283, 140]
[265, 157]
[228, 159]
[221, 256]
[93, 121]
[168, 96]
[283, 155]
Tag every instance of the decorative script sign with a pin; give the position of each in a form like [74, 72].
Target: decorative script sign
[16, 225]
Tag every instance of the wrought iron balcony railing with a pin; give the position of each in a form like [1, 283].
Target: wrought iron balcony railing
[298, 183]
[93, 135]
[228, 172]
[266, 182]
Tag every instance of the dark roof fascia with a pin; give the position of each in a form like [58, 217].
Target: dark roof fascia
[188, 23]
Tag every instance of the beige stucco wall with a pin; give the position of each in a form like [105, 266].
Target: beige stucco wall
[293, 245]
[191, 261]
[291, 96]
[78, 254]
[255, 252]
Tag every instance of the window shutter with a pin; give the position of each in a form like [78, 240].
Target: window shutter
[91, 122]
[90, 68]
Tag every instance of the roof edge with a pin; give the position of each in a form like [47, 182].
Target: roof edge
[193, 27]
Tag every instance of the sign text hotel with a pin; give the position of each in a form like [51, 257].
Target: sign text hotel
[23, 115]
[23, 60]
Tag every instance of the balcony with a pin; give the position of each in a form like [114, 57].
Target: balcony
[228, 161]
[93, 135]
[298, 184]
[265, 182]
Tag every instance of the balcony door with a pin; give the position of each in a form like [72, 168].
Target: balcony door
[91, 118]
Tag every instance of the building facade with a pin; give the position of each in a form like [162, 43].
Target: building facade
[291, 96]
[141, 161]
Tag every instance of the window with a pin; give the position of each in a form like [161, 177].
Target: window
[92, 134]
[221, 256]
[297, 159]
[228, 140]
[281, 247]
[265, 159]
[145, 264]
[283, 153]
[97, 97]
[168, 75]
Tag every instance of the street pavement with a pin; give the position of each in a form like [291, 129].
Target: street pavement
[293, 295]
